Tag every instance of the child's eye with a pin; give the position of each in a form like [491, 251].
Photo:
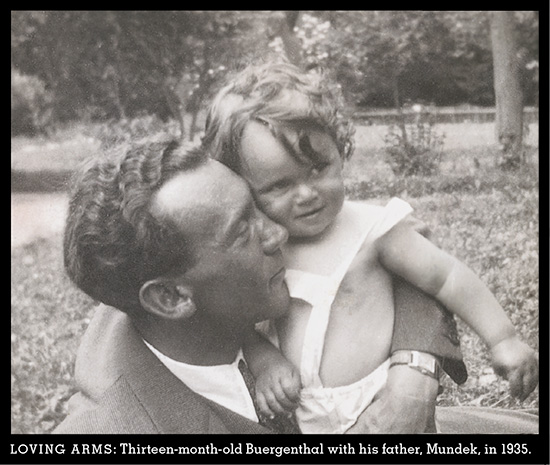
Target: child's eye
[279, 187]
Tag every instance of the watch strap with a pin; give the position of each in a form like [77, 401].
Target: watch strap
[421, 361]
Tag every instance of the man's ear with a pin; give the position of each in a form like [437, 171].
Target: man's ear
[167, 299]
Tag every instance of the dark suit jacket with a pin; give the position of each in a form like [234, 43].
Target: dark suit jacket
[125, 389]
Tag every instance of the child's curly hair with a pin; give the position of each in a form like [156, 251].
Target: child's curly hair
[275, 94]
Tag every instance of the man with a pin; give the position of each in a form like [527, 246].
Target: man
[157, 236]
[174, 242]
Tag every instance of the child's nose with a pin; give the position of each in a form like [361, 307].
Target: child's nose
[306, 193]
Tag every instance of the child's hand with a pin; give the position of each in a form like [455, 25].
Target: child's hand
[278, 390]
[518, 363]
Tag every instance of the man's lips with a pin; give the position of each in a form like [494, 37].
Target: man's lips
[280, 275]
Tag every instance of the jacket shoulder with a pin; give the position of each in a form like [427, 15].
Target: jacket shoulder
[117, 412]
[121, 411]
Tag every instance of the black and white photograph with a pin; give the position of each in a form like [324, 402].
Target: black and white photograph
[239, 223]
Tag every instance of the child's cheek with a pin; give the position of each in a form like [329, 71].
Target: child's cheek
[276, 209]
[282, 213]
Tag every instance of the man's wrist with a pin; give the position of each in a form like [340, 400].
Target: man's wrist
[405, 382]
[422, 362]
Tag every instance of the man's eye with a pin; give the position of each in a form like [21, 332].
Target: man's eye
[319, 168]
[244, 231]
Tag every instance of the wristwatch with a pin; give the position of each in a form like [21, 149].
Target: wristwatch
[425, 363]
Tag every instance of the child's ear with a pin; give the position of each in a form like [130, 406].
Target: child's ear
[164, 298]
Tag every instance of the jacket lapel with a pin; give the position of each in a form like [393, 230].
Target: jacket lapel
[114, 348]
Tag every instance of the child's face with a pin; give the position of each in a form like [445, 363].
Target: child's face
[301, 196]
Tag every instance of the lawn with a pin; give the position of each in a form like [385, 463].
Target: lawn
[487, 218]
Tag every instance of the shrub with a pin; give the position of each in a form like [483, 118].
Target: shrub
[30, 104]
[114, 133]
[414, 149]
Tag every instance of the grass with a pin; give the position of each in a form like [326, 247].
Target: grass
[487, 218]
[48, 317]
[496, 235]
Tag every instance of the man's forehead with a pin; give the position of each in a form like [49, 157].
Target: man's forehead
[199, 193]
[203, 177]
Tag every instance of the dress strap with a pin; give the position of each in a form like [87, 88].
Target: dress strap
[314, 337]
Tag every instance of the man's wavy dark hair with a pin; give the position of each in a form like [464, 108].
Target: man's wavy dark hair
[112, 243]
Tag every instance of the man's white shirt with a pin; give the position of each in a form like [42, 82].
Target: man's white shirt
[223, 384]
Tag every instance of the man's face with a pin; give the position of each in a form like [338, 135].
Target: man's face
[239, 274]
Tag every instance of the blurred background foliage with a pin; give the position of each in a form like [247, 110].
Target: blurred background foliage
[116, 65]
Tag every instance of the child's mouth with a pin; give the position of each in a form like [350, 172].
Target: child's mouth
[311, 213]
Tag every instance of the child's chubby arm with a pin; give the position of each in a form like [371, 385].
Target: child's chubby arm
[407, 253]
[278, 382]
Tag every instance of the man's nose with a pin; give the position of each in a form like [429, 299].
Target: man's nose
[273, 234]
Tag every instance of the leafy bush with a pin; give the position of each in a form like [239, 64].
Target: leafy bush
[114, 133]
[414, 149]
[30, 104]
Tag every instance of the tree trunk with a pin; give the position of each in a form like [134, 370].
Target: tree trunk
[293, 48]
[397, 104]
[193, 129]
[194, 110]
[508, 92]
[113, 20]
[175, 106]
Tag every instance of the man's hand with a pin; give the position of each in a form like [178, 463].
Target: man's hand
[278, 390]
[406, 405]
[518, 363]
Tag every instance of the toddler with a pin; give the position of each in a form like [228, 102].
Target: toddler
[281, 130]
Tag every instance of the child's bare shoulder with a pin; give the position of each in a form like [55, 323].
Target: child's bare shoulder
[321, 255]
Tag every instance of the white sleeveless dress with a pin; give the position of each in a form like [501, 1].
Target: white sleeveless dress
[336, 409]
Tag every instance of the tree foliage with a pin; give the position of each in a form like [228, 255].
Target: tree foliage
[102, 65]
[117, 64]
[30, 104]
[384, 58]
